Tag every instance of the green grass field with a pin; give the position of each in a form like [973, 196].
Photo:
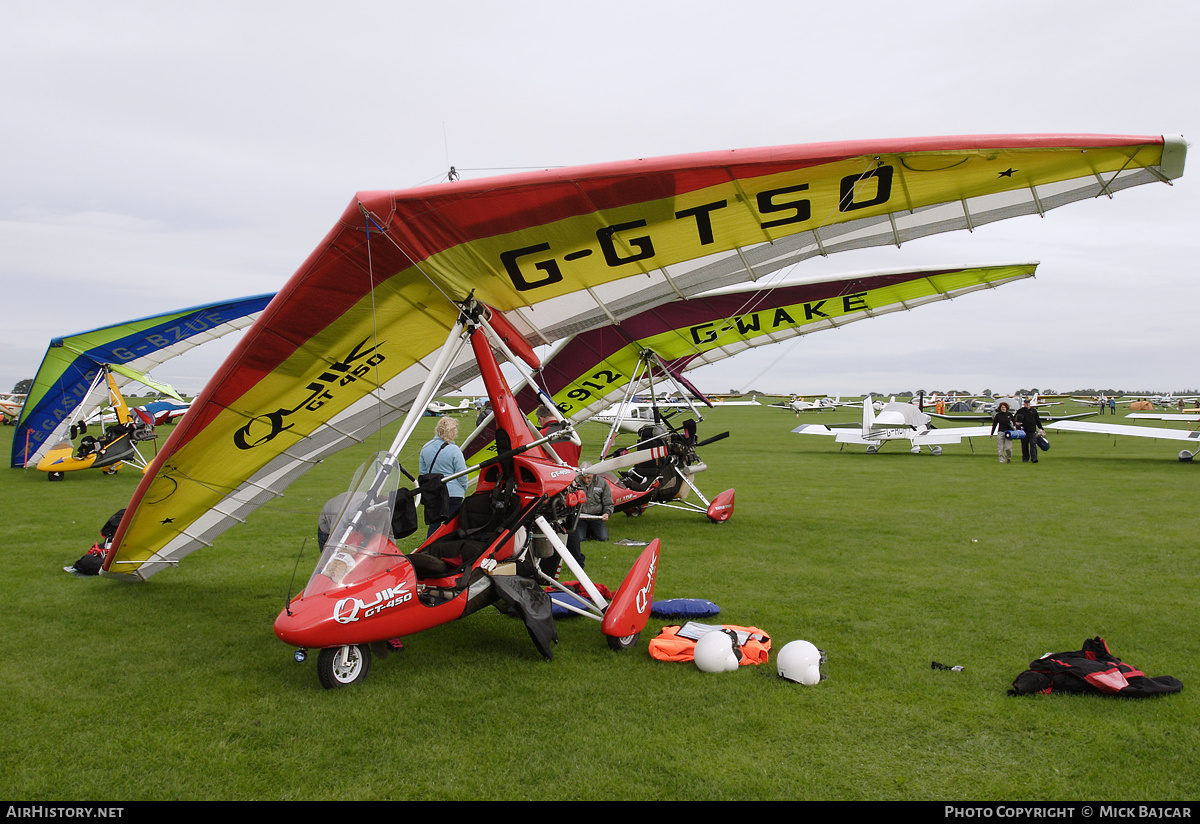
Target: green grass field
[178, 689]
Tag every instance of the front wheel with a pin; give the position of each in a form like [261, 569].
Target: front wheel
[343, 666]
[624, 642]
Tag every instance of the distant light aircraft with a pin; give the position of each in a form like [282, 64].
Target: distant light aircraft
[819, 405]
[1014, 403]
[728, 400]
[439, 408]
[1170, 399]
[631, 417]
[10, 406]
[163, 411]
[896, 421]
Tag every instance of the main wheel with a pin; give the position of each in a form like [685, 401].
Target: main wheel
[624, 642]
[343, 666]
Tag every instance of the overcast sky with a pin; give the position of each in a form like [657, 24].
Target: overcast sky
[160, 155]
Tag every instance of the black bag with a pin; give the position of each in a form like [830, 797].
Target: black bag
[110, 526]
[1092, 669]
[434, 497]
[89, 564]
[404, 514]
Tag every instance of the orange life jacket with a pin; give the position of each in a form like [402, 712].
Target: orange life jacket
[671, 645]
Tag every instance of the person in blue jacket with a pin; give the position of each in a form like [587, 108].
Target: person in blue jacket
[442, 455]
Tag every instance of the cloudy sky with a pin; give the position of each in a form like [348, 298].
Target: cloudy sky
[160, 155]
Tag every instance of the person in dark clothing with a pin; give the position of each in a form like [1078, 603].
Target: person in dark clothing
[1030, 421]
[1002, 424]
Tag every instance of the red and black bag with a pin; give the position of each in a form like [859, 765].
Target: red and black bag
[1093, 669]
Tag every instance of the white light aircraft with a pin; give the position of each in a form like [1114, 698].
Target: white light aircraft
[896, 422]
[1168, 400]
[1133, 431]
[442, 408]
[10, 405]
[632, 416]
[819, 405]
[1014, 403]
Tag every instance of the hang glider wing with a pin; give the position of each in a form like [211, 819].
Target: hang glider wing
[60, 391]
[592, 370]
[344, 348]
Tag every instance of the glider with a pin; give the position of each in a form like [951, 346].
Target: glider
[70, 384]
[346, 344]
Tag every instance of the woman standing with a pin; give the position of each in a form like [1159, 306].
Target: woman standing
[442, 456]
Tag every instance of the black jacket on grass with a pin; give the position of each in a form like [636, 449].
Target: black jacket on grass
[1092, 669]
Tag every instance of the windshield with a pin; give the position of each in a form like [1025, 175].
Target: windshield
[359, 523]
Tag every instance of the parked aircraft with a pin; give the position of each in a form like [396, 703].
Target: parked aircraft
[632, 416]
[116, 445]
[559, 251]
[826, 404]
[895, 422]
[1133, 431]
[1014, 404]
[439, 408]
[10, 406]
[989, 405]
[69, 385]
[1170, 399]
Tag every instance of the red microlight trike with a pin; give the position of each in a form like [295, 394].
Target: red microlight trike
[501, 546]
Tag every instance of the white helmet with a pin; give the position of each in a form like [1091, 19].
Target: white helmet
[801, 662]
[717, 651]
